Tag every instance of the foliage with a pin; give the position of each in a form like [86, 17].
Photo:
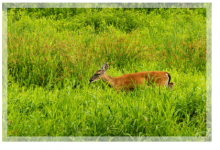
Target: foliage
[52, 53]
[43, 50]
[85, 112]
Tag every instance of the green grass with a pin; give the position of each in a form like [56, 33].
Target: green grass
[96, 109]
[52, 55]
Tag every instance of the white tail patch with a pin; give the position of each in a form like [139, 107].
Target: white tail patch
[166, 84]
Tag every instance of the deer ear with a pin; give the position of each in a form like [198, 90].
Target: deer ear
[104, 67]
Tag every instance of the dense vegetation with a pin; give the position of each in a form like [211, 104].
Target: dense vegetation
[52, 53]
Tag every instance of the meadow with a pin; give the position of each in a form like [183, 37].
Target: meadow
[53, 52]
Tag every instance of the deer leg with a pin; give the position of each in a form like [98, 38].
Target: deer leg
[171, 84]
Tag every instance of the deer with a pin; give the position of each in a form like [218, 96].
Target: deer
[128, 82]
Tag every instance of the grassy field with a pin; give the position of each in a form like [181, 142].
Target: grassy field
[52, 53]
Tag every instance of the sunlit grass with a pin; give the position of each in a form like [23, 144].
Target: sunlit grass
[51, 60]
[95, 110]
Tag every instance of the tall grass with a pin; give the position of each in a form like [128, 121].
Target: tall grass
[43, 51]
[86, 112]
[52, 53]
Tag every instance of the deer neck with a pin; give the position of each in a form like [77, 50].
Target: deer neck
[108, 79]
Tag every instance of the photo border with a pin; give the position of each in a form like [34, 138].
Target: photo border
[207, 138]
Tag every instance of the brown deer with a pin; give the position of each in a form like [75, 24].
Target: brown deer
[128, 82]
